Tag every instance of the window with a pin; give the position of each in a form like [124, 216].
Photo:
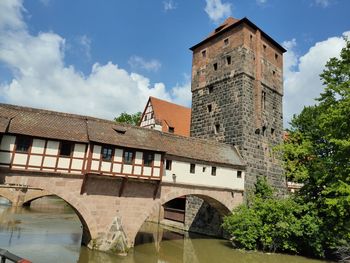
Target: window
[204, 53]
[228, 60]
[213, 171]
[215, 65]
[192, 168]
[210, 89]
[264, 47]
[128, 157]
[107, 153]
[239, 174]
[264, 130]
[23, 144]
[145, 118]
[204, 168]
[272, 131]
[226, 41]
[171, 129]
[66, 149]
[263, 99]
[168, 164]
[276, 56]
[217, 128]
[147, 159]
[209, 107]
[273, 72]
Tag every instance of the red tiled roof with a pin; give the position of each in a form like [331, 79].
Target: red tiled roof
[228, 22]
[85, 129]
[174, 115]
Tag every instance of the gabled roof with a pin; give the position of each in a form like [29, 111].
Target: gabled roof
[174, 115]
[85, 129]
[230, 23]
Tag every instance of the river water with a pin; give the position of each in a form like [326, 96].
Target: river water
[49, 231]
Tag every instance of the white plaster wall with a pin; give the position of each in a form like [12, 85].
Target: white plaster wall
[50, 161]
[118, 155]
[156, 159]
[7, 143]
[63, 162]
[138, 158]
[105, 166]
[79, 150]
[77, 164]
[52, 148]
[20, 158]
[35, 160]
[97, 152]
[95, 165]
[225, 177]
[137, 170]
[147, 171]
[156, 172]
[117, 168]
[5, 157]
[38, 146]
[127, 169]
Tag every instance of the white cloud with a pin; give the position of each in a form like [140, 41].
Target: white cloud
[323, 3]
[217, 10]
[302, 83]
[41, 78]
[85, 43]
[137, 62]
[169, 5]
[261, 2]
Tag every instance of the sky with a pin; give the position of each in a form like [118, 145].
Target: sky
[101, 58]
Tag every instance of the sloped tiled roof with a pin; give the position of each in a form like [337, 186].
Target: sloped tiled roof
[176, 116]
[71, 127]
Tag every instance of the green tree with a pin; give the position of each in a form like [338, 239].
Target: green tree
[317, 153]
[133, 119]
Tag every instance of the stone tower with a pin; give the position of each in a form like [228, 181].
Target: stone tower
[237, 91]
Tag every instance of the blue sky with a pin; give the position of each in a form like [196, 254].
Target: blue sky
[101, 58]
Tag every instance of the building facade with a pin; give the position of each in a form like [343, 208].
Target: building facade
[237, 90]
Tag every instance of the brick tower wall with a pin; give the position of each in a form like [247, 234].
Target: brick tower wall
[239, 101]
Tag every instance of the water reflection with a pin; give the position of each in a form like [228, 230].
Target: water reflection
[49, 231]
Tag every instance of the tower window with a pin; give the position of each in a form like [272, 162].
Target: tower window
[273, 72]
[226, 41]
[251, 36]
[215, 65]
[210, 89]
[228, 60]
[168, 164]
[192, 168]
[171, 129]
[264, 130]
[272, 131]
[276, 56]
[209, 107]
[263, 100]
[239, 174]
[264, 47]
[204, 54]
[213, 171]
[217, 128]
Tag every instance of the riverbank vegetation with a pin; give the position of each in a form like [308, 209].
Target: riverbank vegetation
[316, 220]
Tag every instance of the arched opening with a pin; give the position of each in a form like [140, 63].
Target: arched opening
[29, 201]
[200, 214]
[5, 201]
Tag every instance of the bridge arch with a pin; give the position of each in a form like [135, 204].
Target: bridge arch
[221, 200]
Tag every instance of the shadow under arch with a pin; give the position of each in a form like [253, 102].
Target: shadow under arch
[6, 198]
[29, 201]
[213, 202]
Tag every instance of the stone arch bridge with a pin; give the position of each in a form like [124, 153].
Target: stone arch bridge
[111, 210]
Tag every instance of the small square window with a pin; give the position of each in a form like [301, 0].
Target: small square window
[226, 41]
[171, 129]
[107, 153]
[66, 149]
[213, 171]
[276, 56]
[273, 72]
[239, 174]
[264, 47]
[128, 157]
[192, 168]
[204, 54]
[209, 107]
[148, 159]
[210, 89]
[204, 168]
[23, 144]
[168, 164]
[228, 60]
[215, 65]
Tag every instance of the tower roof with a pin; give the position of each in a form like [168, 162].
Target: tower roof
[230, 23]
